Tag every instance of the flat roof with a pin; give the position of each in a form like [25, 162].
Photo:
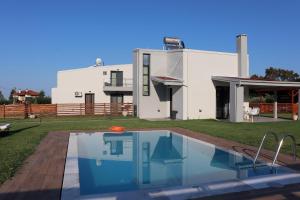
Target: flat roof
[252, 82]
[185, 50]
[105, 67]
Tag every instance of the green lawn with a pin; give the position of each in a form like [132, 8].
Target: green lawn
[26, 134]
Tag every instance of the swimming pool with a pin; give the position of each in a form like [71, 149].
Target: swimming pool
[153, 164]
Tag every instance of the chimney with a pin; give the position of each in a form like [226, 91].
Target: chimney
[242, 51]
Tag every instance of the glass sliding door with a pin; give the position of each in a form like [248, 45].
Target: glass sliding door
[116, 78]
[116, 101]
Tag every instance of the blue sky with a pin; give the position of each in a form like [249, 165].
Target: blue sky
[40, 37]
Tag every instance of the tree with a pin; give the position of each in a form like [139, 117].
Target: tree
[277, 74]
[3, 100]
[42, 98]
[11, 98]
[257, 77]
[42, 94]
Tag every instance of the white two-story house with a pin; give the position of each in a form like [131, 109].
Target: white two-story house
[182, 83]
[94, 84]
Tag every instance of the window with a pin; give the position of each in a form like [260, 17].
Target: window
[116, 78]
[104, 73]
[146, 74]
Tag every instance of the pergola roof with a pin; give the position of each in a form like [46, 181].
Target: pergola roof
[165, 80]
[251, 82]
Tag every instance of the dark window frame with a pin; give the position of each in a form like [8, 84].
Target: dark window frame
[148, 74]
[116, 95]
[119, 82]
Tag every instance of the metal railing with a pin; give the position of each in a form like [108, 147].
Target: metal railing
[261, 145]
[115, 82]
[280, 145]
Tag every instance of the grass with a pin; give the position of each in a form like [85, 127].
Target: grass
[26, 134]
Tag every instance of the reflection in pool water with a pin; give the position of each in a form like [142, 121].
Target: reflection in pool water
[137, 160]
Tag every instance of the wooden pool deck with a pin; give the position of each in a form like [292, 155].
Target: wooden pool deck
[41, 176]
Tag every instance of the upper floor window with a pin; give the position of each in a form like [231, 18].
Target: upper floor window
[146, 74]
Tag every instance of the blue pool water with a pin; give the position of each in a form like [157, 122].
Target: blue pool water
[110, 162]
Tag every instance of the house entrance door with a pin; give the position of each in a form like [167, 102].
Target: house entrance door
[116, 101]
[89, 104]
[222, 101]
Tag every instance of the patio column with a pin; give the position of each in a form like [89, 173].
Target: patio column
[236, 103]
[298, 104]
[275, 110]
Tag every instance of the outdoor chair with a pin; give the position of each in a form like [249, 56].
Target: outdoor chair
[253, 112]
[246, 113]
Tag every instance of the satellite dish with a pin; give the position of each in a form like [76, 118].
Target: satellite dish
[99, 62]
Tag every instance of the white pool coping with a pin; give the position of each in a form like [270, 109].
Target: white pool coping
[71, 184]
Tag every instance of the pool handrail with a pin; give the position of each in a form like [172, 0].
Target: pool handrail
[294, 144]
[261, 144]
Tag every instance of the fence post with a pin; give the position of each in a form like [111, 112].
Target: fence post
[275, 110]
[4, 111]
[260, 107]
[25, 110]
[55, 110]
[30, 109]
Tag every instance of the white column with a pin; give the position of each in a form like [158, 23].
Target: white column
[299, 104]
[232, 102]
[275, 110]
[236, 103]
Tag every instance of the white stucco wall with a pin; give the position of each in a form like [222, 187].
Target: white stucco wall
[196, 99]
[155, 105]
[87, 80]
[199, 67]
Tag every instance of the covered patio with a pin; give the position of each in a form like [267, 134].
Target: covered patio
[238, 96]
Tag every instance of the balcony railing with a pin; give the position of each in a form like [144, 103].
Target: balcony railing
[115, 84]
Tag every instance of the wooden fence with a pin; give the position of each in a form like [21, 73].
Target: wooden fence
[281, 107]
[12, 111]
[104, 109]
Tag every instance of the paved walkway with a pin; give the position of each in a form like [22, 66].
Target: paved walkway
[42, 174]
[268, 119]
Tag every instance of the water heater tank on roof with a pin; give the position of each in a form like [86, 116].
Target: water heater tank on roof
[99, 62]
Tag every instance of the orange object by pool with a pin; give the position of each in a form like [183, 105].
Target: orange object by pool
[117, 128]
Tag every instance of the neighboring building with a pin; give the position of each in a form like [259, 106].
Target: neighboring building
[22, 96]
[194, 84]
[94, 84]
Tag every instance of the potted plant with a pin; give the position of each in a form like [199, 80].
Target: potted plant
[125, 110]
[295, 117]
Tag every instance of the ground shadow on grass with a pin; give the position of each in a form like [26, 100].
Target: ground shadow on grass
[12, 132]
